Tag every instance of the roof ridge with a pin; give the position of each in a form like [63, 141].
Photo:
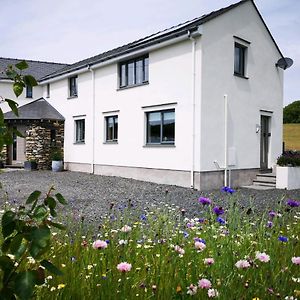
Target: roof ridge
[31, 60]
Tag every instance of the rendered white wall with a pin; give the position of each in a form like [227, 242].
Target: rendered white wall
[6, 91]
[170, 80]
[246, 97]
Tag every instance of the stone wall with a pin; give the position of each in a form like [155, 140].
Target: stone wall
[39, 145]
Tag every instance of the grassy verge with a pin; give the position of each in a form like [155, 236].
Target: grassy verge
[291, 136]
[232, 255]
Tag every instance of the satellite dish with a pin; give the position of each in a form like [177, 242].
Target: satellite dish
[284, 63]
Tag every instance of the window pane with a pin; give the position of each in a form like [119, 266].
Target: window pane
[110, 128]
[146, 69]
[123, 75]
[239, 59]
[139, 71]
[73, 86]
[131, 77]
[116, 129]
[154, 126]
[168, 126]
[28, 91]
[80, 130]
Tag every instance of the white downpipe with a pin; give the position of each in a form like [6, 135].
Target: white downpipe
[193, 107]
[225, 139]
[93, 121]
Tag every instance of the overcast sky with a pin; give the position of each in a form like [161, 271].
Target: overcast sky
[71, 30]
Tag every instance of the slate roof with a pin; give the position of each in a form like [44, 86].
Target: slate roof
[37, 69]
[39, 109]
[150, 40]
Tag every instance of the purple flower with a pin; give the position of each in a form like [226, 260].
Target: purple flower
[228, 190]
[293, 203]
[282, 238]
[201, 220]
[272, 214]
[270, 224]
[204, 201]
[221, 221]
[218, 210]
[143, 217]
[185, 234]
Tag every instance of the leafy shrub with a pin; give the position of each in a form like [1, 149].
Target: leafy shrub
[56, 154]
[289, 159]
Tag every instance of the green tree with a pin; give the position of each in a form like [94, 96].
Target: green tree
[291, 113]
[26, 232]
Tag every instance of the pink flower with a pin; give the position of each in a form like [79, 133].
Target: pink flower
[242, 264]
[209, 261]
[212, 293]
[192, 290]
[126, 228]
[99, 244]
[296, 260]
[263, 257]
[124, 267]
[179, 249]
[204, 284]
[200, 246]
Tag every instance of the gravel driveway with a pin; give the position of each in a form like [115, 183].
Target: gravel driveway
[91, 195]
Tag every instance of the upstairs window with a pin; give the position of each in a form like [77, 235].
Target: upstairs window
[28, 91]
[79, 131]
[111, 128]
[48, 91]
[239, 59]
[161, 127]
[134, 72]
[73, 86]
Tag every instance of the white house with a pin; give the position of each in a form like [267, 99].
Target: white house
[182, 106]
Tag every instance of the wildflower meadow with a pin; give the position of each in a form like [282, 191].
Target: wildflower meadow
[161, 253]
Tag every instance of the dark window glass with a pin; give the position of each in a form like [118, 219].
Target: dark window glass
[28, 91]
[48, 90]
[53, 137]
[79, 131]
[161, 127]
[239, 59]
[112, 128]
[73, 86]
[134, 72]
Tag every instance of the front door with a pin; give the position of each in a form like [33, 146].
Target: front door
[264, 141]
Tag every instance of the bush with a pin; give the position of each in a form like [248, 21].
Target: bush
[56, 154]
[289, 159]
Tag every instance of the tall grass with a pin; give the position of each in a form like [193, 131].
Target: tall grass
[161, 250]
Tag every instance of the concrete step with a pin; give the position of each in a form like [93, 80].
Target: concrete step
[19, 166]
[271, 179]
[264, 183]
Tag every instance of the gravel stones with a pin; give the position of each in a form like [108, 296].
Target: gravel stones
[90, 196]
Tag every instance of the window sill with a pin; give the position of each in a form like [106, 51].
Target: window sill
[241, 76]
[110, 142]
[159, 146]
[78, 143]
[72, 97]
[132, 86]
[27, 97]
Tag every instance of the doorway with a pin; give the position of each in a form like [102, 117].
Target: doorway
[265, 135]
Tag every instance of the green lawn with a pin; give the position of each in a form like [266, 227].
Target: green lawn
[291, 136]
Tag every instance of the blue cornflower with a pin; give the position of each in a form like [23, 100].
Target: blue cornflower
[270, 224]
[221, 221]
[196, 239]
[218, 210]
[107, 241]
[201, 220]
[143, 217]
[185, 234]
[282, 238]
[228, 189]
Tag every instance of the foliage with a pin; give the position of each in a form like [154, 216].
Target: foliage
[56, 154]
[291, 113]
[243, 254]
[289, 159]
[26, 232]
[26, 241]
[20, 81]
